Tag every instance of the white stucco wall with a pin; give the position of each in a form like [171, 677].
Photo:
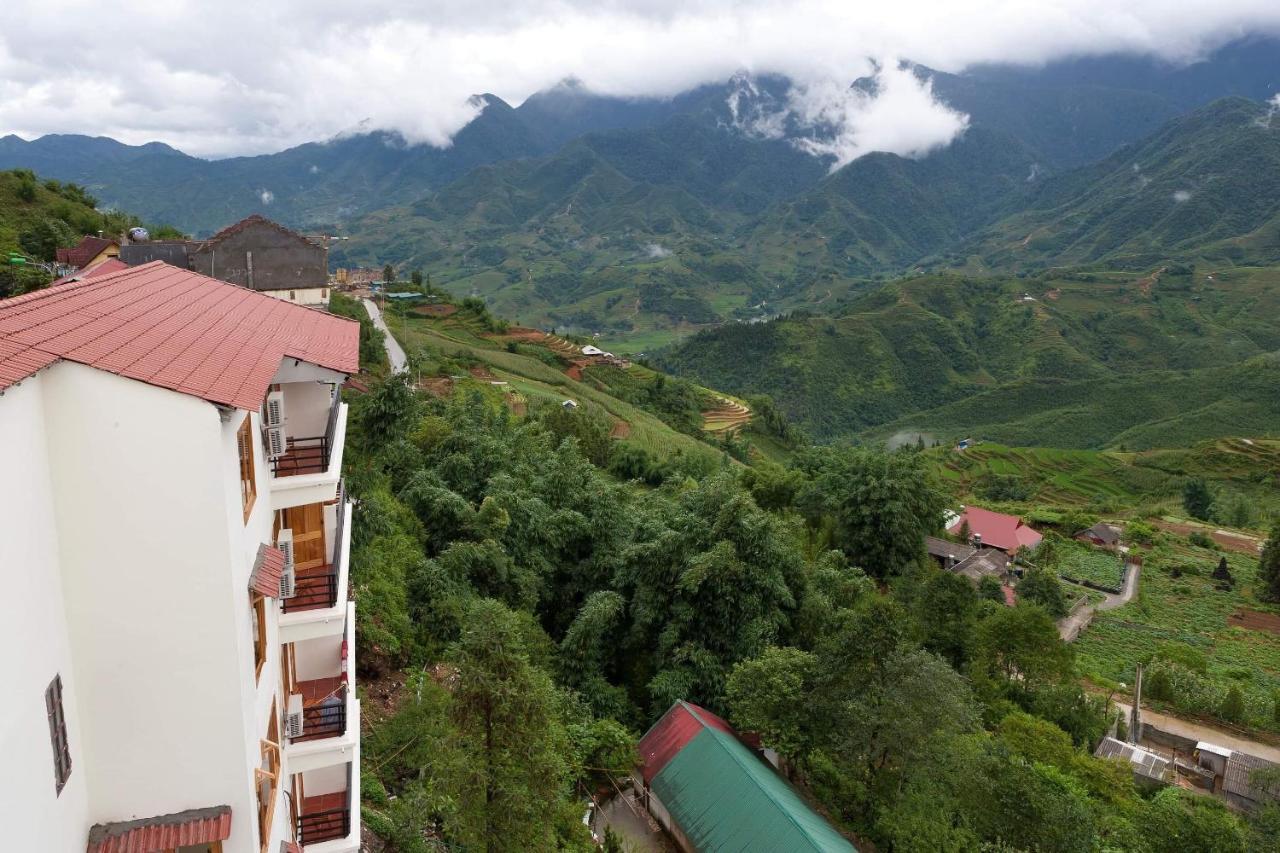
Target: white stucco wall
[125, 555]
[319, 658]
[34, 635]
[150, 571]
[315, 296]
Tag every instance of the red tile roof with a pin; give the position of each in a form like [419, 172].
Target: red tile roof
[1006, 532]
[172, 328]
[105, 267]
[194, 826]
[86, 250]
[267, 569]
[682, 723]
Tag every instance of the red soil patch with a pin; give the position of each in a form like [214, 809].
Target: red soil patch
[479, 371]
[574, 371]
[527, 335]
[1235, 542]
[621, 429]
[1145, 284]
[1255, 620]
[442, 310]
[517, 405]
[440, 386]
[1053, 294]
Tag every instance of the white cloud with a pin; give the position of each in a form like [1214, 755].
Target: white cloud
[655, 251]
[266, 196]
[261, 76]
[1180, 196]
[899, 115]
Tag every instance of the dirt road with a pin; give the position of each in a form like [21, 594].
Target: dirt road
[1071, 627]
[1199, 731]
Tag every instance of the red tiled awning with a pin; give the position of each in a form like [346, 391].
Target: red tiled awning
[267, 569]
[194, 826]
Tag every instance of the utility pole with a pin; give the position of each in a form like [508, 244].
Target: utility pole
[1135, 713]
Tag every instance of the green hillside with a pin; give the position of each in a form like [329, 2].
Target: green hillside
[39, 216]
[1208, 177]
[1080, 360]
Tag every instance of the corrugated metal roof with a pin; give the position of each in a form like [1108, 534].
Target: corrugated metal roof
[1238, 778]
[681, 724]
[173, 328]
[725, 798]
[1144, 761]
[194, 826]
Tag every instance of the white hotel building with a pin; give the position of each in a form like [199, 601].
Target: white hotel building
[174, 542]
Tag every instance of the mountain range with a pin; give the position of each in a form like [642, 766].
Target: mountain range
[644, 218]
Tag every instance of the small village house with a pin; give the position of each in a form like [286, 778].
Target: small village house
[88, 252]
[712, 793]
[267, 257]
[1007, 533]
[1101, 535]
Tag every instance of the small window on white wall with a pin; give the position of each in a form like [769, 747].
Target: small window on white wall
[58, 732]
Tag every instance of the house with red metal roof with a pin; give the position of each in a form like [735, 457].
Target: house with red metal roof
[176, 539]
[712, 793]
[88, 252]
[990, 529]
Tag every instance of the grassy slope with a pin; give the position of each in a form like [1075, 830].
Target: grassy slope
[1094, 359]
[67, 211]
[1112, 481]
[534, 378]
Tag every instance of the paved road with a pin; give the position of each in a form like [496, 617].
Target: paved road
[1070, 627]
[399, 364]
[1199, 731]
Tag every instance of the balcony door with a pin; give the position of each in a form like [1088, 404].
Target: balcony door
[307, 523]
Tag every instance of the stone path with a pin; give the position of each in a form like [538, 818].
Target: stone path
[395, 353]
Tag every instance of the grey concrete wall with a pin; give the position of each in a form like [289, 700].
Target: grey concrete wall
[264, 258]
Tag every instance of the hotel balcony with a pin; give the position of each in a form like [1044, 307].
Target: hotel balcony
[319, 605]
[323, 712]
[326, 805]
[305, 442]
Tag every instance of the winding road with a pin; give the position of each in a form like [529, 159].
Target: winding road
[395, 353]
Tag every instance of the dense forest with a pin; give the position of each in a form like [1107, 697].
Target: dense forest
[526, 613]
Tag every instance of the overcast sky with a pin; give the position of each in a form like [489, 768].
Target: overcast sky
[236, 77]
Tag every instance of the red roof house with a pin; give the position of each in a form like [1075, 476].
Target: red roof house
[172, 328]
[89, 250]
[997, 530]
[104, 267]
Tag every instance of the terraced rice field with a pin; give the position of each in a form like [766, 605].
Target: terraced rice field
[727, 417]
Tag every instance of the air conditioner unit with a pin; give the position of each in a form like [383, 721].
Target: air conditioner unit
[288, 577]
[288, 583]
[277, 444]
[284, 541]
[293, 717]
[273, 412]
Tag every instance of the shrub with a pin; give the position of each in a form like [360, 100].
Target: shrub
[1232, 708]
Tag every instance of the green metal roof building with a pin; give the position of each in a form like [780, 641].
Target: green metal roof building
[712, 793]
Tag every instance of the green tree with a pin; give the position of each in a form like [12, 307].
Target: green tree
[1269, 567]
[770, 695]
[505, 712]
[388, 274]
[1179, 820]
[415, 278]
[946, 610]
[882, 504]
[1020, 647]
[1197, 499]
[990, 589]
[1042, 587]
[1233, 707]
